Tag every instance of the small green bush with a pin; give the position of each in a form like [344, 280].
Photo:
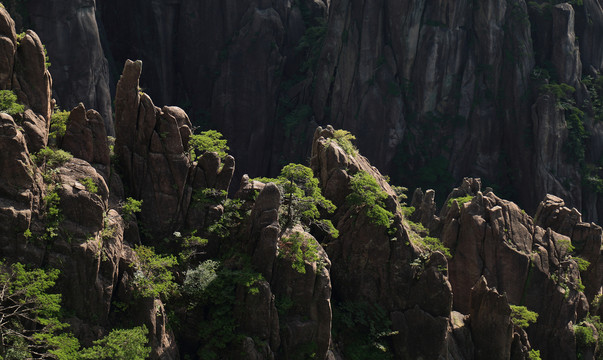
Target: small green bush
[58, 125]
[582, 264]
[408, 210]
[534, 355]
[299, 250]
[8, 103]
[435, 244]
[595, 90]
[522, 317]
[460, 200]
[46, 58]
[344, 139]
[292, 120]
[197, 280]
[208, 196]
[584, 336]
[119, 344]
[560, 91]
[367, 193]
[365, 329]
[152, 277]
[190, 245]
[129, 208]
[90, 185]
[53, 215]
[230, 220]
[51, 158]
[207, 141]
[565, 244]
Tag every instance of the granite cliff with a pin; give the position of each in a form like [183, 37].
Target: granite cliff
[508, 91]
[325, 261]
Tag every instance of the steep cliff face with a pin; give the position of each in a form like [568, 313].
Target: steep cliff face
[222, 62]
[78, 65]
[447, 90]
[440, 91]
[433, 91]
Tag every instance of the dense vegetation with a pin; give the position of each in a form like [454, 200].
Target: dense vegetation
[31, 326]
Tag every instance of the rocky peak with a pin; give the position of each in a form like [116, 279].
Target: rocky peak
[152, 148]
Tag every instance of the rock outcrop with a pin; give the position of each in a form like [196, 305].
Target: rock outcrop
[55, 210]
[152, 148]
[86, 138]
[303, 325]
[494, 239]
[382, 267]
[491, 326]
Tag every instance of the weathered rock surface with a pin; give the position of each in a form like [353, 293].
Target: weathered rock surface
[152, 148]
[370, 265]
[494, 239]
[86, 138]
[586, 239]
[491, 326]
[50, 218]
[393, 73]
[78, 65]
[307, 322]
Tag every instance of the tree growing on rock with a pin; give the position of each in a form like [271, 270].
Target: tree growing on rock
[207, 141]
[302, 199]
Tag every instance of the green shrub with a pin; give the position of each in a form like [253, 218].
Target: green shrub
[219, 299]
[8, 103]
[298, 249]
[435, 244]
[230, 220]
[119, 344]
[32, 327]
[407, 211]
[58, 125]
[46, 57]
[207, 141]
[190, 245]
[534, 355]
[565, 244]
[53, 215]
[129, 208]
[152, 277]
[295, 117]
[522, 317]
[560, 91]
[595, 90]
[574, 120]
[50, 158]
[344, 139]
[90, 185]
[367, 193]
[584, 336]
[582, 264]
[197, 280]
[208, 196]
[283, 304]
[460, 200]
[400, 193]
[31, 313]
[310, 44]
